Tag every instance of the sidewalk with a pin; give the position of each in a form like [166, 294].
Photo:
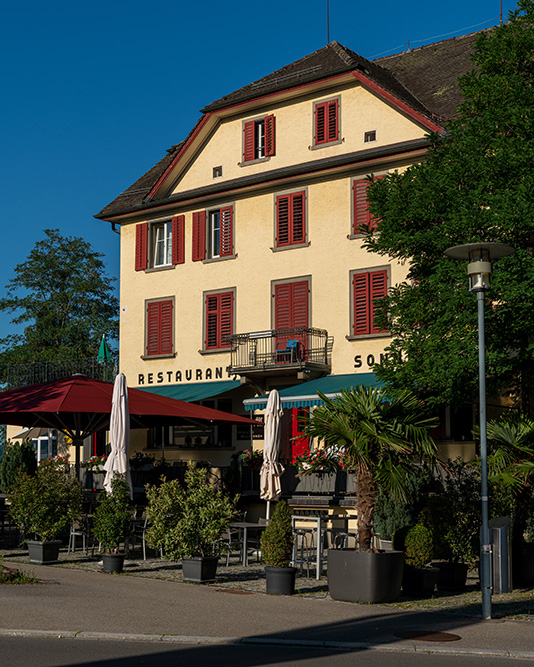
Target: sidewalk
[79, 602]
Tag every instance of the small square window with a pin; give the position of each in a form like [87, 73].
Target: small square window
[217, 172]
[369, 136]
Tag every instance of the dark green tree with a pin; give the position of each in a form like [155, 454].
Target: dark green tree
[476, 184]
[65, 299]
[18, 457]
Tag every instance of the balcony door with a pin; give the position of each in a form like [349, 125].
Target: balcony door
[291, 310]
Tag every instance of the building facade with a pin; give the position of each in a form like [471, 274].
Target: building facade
[242, 260]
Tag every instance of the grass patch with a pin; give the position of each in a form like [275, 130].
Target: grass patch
[12, 575]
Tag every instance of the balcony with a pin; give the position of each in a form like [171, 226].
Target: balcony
[300, 351]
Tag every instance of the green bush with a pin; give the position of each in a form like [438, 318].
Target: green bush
[416, 542]
[17, 458]
[113, 515]
[186, 522]
[45, 503]
[277, 539]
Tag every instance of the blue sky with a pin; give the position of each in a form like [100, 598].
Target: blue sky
[94, 93]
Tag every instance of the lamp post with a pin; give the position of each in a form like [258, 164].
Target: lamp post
[480, 256]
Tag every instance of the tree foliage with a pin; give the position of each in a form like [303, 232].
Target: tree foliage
[277, 539]
[18, 457]
[381, 437]
[64, 298]
[476, 184]
[113, 515]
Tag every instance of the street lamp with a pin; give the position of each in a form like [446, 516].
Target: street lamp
[480, 256]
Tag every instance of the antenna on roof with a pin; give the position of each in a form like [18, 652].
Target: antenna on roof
[328, 21]
[501, 12]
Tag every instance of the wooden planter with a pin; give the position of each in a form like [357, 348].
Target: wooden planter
[200, 569]
[355, 576]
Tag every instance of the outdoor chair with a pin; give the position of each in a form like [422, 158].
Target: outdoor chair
[83, 529]
[230, 540]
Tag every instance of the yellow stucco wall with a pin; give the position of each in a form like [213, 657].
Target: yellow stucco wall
[360, 111]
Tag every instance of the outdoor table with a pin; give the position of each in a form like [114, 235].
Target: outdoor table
[243, 527]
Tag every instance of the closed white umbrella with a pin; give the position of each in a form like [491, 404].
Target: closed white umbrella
[272, 469]
[119, 434]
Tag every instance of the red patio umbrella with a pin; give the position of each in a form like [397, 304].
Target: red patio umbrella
[79, 406]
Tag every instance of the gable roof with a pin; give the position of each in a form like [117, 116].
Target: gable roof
[425, 79]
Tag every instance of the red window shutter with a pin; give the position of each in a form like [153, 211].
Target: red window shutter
[141, 246]
[301, 444]
[378, 285]
[269, 135]
[333, 121]
[219, 319]
[226, 327]
[360, 212]
[227, 231]
[320, 116]
[360, 283]
[282, 220]
[249, 141]
[291, 305]
[199, 235]
[159, 328]
[298, 225]
[178, 239]
[367, 288]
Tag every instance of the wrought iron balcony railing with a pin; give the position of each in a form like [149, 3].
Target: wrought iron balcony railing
[20, 375]
[299, 348]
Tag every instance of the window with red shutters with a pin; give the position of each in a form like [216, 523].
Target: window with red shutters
[227, 231]
[258, 138]
[290, 219]
[219, 320]
[362, 220]
[199, 235]
[326, 120]
[367, 287]
[141, 246]
[159, 328]
[178, 239]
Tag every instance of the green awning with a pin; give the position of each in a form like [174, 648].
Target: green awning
[194, 391]
[305, 395]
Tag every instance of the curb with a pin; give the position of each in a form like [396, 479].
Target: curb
[267, 641]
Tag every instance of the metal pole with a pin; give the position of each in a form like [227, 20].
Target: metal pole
[328, 21]
[485, 547]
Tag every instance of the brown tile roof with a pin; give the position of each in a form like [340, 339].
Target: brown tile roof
[424, 78]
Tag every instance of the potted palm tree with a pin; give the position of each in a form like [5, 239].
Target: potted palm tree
[113, 523]
[277, 549]
[45, 504]
[187, 522]
[380, 437]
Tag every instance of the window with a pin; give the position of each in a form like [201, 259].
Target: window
[258, 139]
[217, 172]
[213, 233]
[326, 122]
[362, 220]
[290, 317]
[159, 244]
[159, 336]
[218, 319]
[291, 219]
[369, 136]
[367, 287]
[162, 243]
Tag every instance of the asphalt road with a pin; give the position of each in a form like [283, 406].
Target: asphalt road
[50, 652]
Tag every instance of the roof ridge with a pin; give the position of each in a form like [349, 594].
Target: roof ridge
[425, 46]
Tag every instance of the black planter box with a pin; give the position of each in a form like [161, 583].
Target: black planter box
[452, 576]
[200, 570]
[355, 576]
[113, 562]
[44, 552]
[420, 582]
[280, 580]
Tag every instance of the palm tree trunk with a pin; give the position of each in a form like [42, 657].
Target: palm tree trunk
[365, 504]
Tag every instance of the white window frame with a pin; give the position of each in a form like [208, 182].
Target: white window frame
[164, 243]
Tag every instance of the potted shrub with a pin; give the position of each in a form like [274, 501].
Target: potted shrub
[418, 577]
[277, 551]
[187, 522]
[45, 504]
[380, 436]
[113, 523]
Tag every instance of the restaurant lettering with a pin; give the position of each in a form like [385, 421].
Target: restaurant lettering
[370, 360]
[190, 375]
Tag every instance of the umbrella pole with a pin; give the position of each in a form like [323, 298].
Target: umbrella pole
[268, 512]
